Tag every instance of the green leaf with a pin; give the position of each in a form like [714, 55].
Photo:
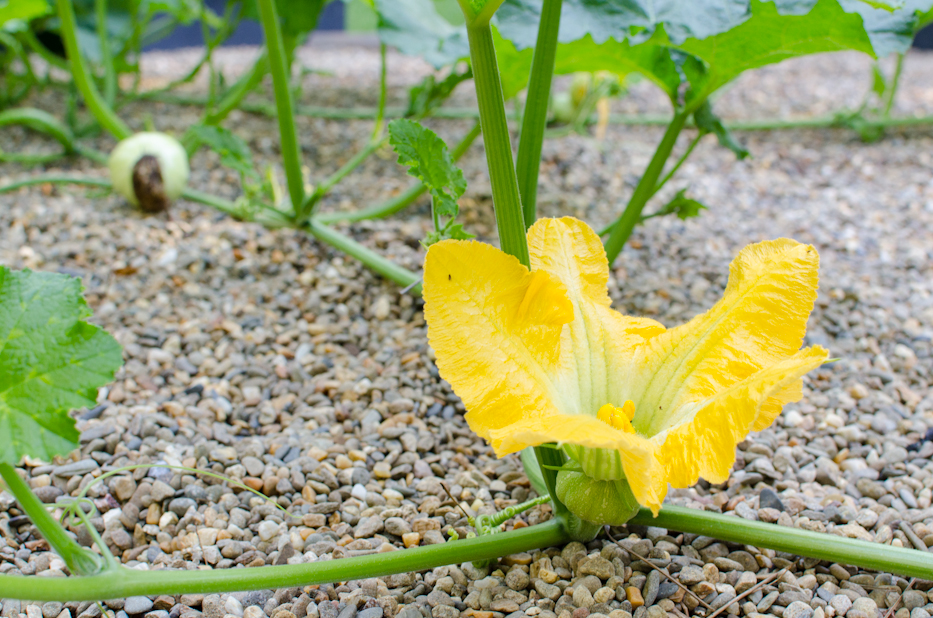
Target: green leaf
[415, 28]
[708, 122]
[25, 10]
[682, 206]
[51, 362]
[776, 32]
[233, 151]
[683, 45]
[430, 93]
[429, 160]
[623, 20]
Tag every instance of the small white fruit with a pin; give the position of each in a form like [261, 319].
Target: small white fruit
[149, 169]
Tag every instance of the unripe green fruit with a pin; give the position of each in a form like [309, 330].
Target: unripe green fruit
[149, 169]
[579, 87]
[599, 502]
[562, 107]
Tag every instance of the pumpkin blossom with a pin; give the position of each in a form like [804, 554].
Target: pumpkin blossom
[538, 356]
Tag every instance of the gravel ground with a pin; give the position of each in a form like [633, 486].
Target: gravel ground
[266, 357]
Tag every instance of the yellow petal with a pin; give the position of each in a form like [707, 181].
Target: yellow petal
[760, 321]
[495, 329]
[599, 344]
[638, 456]
[705, 447]
[702, 447]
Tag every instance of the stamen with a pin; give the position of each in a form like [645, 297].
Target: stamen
[618, 418]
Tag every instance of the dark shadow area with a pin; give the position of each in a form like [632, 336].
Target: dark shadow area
[249, 32]
[924, 38]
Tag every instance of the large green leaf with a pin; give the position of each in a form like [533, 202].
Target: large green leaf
[681, 43]
[772, 35]
[415, 28]
[51, 362]
[635, 20]
[25, 10]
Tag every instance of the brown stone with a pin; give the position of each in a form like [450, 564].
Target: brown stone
[253, 483]
[634, 597]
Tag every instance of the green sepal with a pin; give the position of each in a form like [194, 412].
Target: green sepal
[598, 502]
[533, 470]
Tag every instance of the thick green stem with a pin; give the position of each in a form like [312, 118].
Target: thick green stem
[278, 66]
[106, 57]
[505, 198]
[678, 164]
[79, 559]
[401, 201]
[123, 582]
[95, 103]
[534, 120]
[829, 547]
[623, 226]
[385, 267]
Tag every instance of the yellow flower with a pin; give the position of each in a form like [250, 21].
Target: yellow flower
[539, 356]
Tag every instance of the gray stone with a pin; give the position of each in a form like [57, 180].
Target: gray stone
[445, 611]
[517, 579]
[598, 566]
[368, 526]
[691, 575]
[798, 609]
[51, 609]
[180, 506]
[397, 526]
[582, 597]
[866, 605]
[160, 491]
[726, 565]
[767, 499]
[137, 605]
[841, 603]
[912, 599]
[212, 606]
[348, 612]
[48, 493]
[650, 591]
[77, 468]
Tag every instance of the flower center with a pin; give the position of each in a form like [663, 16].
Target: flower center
[618, 418]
